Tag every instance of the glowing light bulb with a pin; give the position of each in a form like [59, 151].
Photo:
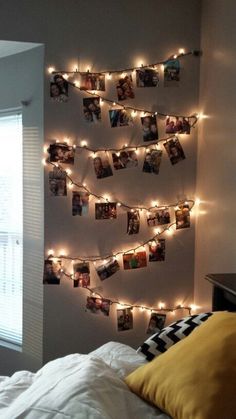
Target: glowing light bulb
[161, 305]
[169, 232]
[123, 75]
[69, 171]
[194, 307]
[44, 162]
[181, 51]
[71, 185]
[45, 148]
[118, 204]
[50, 252]
[114, 103]
[197, 201]
[62, 252]
[51, 70]
[77, 83]
[109, 76]
[134, 114]
[156, 230]
[175, 56]
[83, 143]
[154, 204]
[65, 76]
[84, 185]
[101, 102]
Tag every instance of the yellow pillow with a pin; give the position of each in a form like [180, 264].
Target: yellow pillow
[196, 378]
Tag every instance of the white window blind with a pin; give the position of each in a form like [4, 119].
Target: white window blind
[11, 226]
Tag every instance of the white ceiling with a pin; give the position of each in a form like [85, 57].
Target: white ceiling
[11, 48]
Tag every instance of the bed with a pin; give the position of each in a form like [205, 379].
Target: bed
[186, 369]
[78, 386]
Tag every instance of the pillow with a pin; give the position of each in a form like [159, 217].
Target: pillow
[163, 340]
[195, 379]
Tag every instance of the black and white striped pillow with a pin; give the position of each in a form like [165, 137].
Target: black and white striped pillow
[163, 340]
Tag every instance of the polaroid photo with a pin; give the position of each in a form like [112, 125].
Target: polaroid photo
[105, 211]
[147, 77]
[102, 166]
[52, 272]
[92, 109]
[98, 305]
[152, 161]
[124, 319]
[125, 159]
[177, 124]
[120, 118]
[107, 269]
[174, 150]
[158, 217]
[124, 88]
[149, 126]
[134, 260]
[92, 81]
[133, 222]
[58, 88]
[171, 73]
[80, 203]
[61, 153]
[156, 323]
[157, 249]
[81, 274]
[182, 215]
[57, 182]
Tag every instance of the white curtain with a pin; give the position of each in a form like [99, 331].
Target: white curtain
[11, 226]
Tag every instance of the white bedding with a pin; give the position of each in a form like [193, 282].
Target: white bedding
[78, 386]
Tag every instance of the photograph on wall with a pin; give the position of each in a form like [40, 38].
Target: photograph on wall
[52, 272]
[157, 217]
[58, 88]
[57, 182]
[120, 118]
[152, 161]
[182, 215]
[171, 73]
[125, 159]
[124, 88]
[174, 150]
[107, 268]
[81, 274]
[147, 77]
[92, 81]
[133, 222]
[177, 124]
[105, 211]
[98, 305]
[61, 153]
[135, 260]
[80, 203]
[157, 249]
[156, 323]
[102, 166]
[124, 319]
[149, 126]
[92, 109]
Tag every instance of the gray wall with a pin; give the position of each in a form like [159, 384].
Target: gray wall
[112, 34]
[22, 80]
[216, 229]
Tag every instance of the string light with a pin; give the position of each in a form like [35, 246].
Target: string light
[84, 146]
[122, 305]
[106, 198]
[108, 73]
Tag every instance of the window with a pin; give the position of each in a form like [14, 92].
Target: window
[11, 226]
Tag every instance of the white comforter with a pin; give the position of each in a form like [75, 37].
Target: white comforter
[78, 386]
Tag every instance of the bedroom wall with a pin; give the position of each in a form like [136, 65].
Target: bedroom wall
[216, 230]
[112, 35]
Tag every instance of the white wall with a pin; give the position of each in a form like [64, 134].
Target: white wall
[22, 80]
[112, 34]
[215, 232]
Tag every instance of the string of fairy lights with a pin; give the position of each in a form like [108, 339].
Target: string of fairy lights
[66, 74]
[84, 146]
[70, 78]
[119, 203]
